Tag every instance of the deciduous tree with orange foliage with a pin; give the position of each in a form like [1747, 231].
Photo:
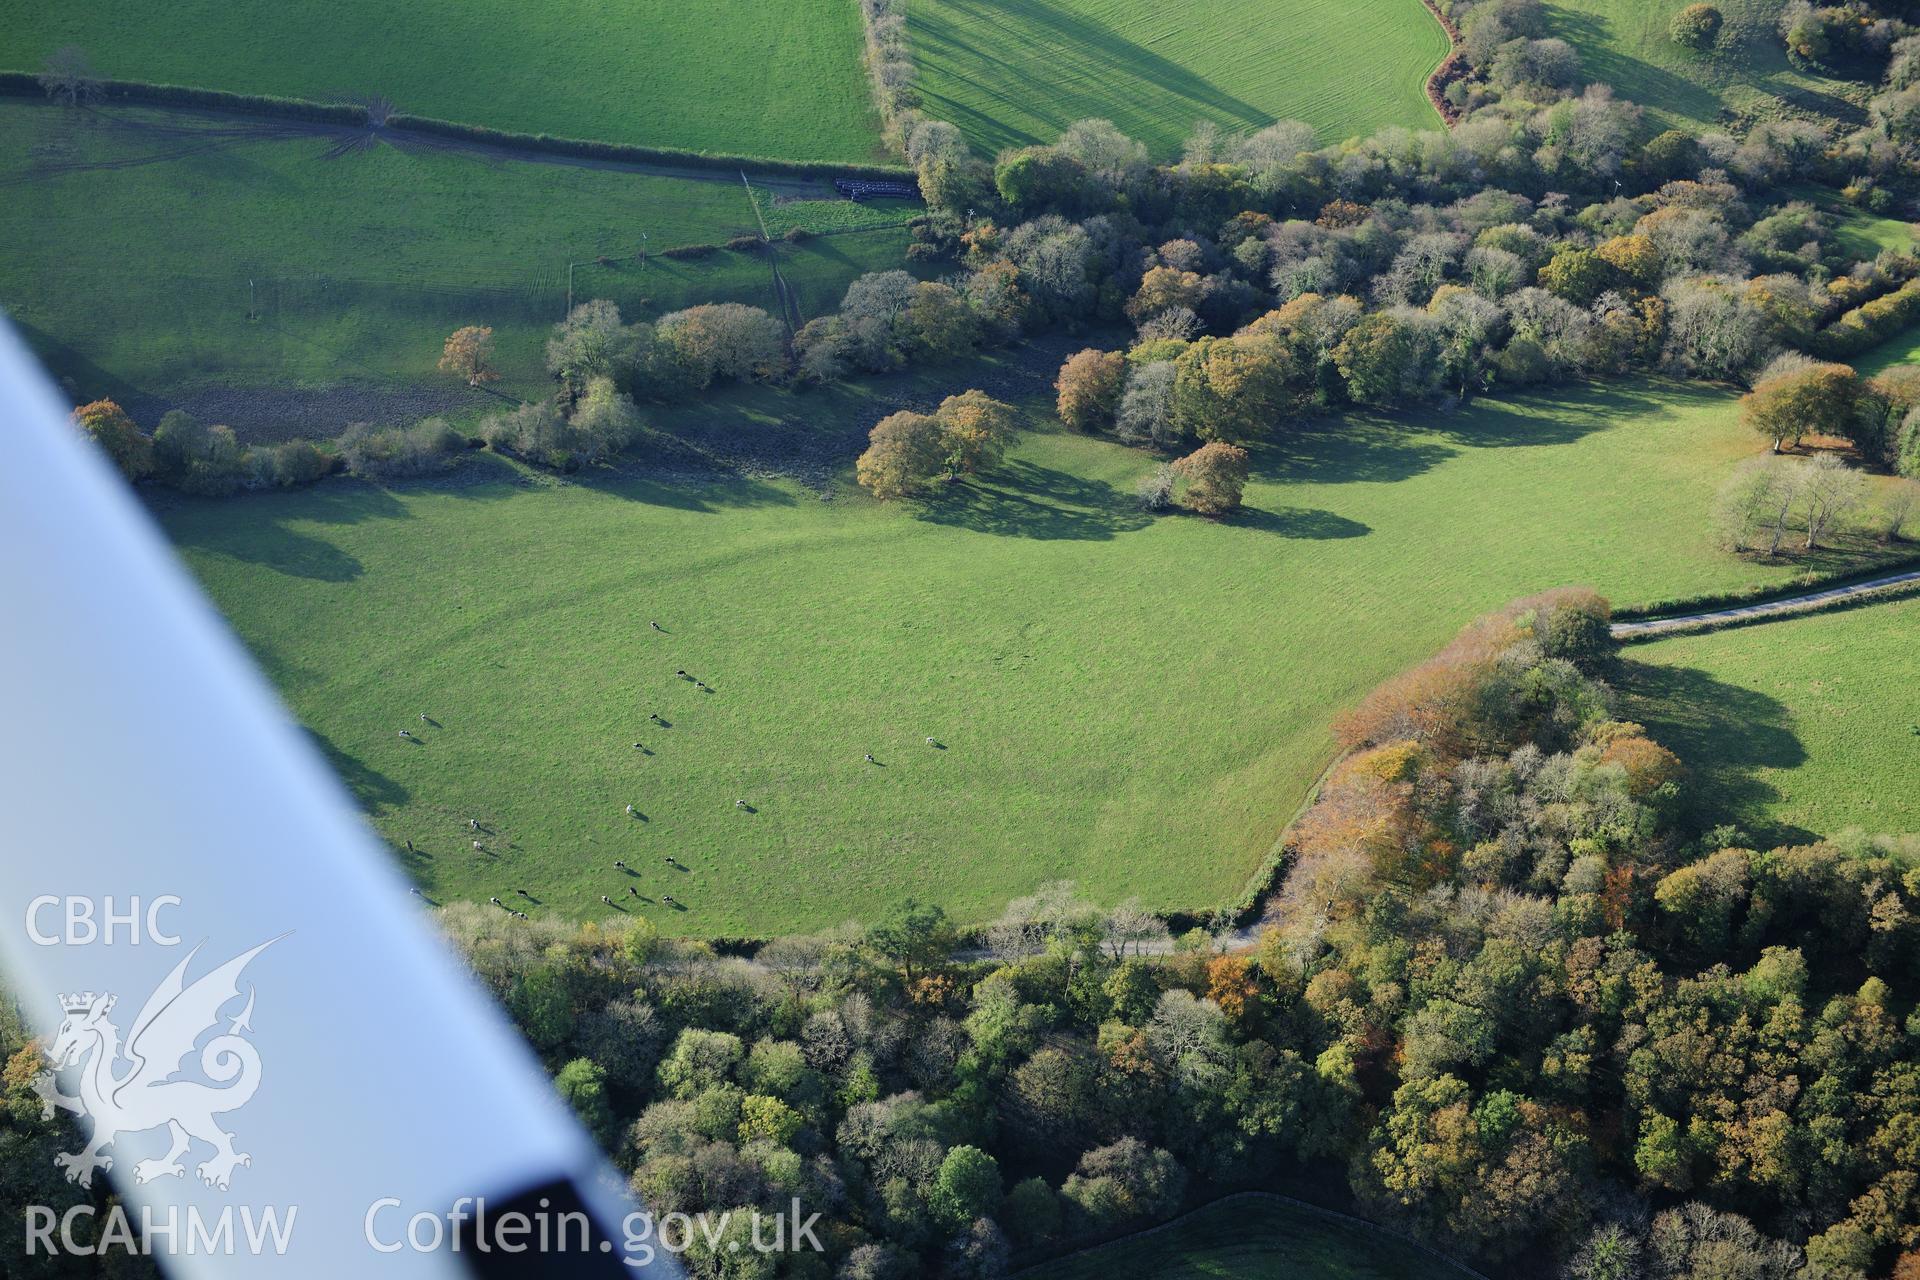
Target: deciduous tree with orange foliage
[469, 354]
[1216, 476]
[108, 426]
[975, 429]
[1090, 386]
[1814, 401]
[905, 451]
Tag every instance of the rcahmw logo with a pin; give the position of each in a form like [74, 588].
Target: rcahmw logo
[141, 1083]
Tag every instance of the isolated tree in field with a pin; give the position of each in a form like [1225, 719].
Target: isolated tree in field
[975, 430]
[1817, 400]
[68, 76]
[469, 354]
[1830, 490]
[592, 343]
[108, 426]
[905, 451]
[1216, 475]
[1089, 389]
[1695, 27]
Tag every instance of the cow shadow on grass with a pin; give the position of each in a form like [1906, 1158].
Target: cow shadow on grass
[1724, 734]
[1022, 499]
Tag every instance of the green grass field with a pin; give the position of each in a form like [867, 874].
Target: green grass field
[1902, 348]
[1015, 72]
[1860, 233]
[1624, 43]
[1799, 727]
[726, 75]
[132, 238]
[1257, 1240]
[1135, 704]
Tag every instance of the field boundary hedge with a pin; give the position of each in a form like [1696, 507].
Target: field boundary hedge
[1838, 604]
[1452, 67]
[1764, 594]
[354, 115]
[1871, 323]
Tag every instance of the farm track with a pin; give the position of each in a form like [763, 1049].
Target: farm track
[1882, 588]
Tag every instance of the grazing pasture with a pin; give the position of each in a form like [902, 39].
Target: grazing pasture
[1134, 703]
[735, 76]
[156, 255]
[1797, 728]
[1624, 43]
[1257, 1240]
[1016, 72]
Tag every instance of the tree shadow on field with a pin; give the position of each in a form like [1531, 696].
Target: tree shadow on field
[990, 33]
[1298, 522]
[1345, 451]
[1723, 733]
[370, 787]
[706, 495]
[259, 534]
[1024, 500]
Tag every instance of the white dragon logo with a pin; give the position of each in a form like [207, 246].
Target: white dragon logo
[145, 1095]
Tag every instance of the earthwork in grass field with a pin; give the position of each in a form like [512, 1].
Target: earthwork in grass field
[1257, 1239]
[1017, 72]
[737, 76]
[1796, 728]
[1135, 703]
[164, 257]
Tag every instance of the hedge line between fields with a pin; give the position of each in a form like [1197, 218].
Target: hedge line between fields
[1870, 323]
[1874, 567]
[1839, 604]
[354, 115]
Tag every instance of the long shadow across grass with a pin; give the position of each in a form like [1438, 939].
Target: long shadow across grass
[1025, 500]
[1046, 27]
[1723, 733]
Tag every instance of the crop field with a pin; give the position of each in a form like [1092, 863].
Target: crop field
[295, 256]
[1805, 726]
[1624, 43]
[1257, 1240]
[736, 76]
[1016, 72]
[1137, 704]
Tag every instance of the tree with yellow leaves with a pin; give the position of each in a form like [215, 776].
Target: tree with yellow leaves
[469, 353]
